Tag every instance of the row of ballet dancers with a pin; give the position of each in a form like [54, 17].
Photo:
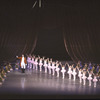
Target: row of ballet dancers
[73, 71]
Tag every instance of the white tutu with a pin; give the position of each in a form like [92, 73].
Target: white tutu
[69, 72]
[57, 69]
[79, 75]
[84, 77]
[63, 71]
[74, 73]
[89, 78]
[36, 63]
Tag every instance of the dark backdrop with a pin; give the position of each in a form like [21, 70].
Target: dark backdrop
[74, 24]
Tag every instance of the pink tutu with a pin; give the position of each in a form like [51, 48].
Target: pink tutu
[49, 66]
[95, 80]
[36, 63]
[53, 67]
[40, 64]
[45, 65]
[32, 62]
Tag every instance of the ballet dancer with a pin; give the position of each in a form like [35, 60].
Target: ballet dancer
[63, 71]
[95, 79]
[74, 73]
[57, 69]
[49, 66]
[40, 64]
[79, 73]
[36, 63]
[45, 65]
[90, 77]
[69, 70]
[53, 68]
[84, 77]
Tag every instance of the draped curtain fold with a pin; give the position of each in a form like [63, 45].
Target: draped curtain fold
[81, 34]
[79, 21]
[18, 31]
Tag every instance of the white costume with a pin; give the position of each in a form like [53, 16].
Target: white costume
[90, 78]
[69, 72]
[80, 75]
[22, 63]
[45, 65]
[53, 68]
[36, 63]
[74, 74]
[63, 72]
[84, 78]
[40, 65]
[95, 81]
[49, 67]
[57, 70]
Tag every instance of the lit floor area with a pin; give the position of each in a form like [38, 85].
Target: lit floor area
[36, 84]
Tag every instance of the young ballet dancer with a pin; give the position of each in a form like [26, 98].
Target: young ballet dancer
[84, 77]
[69, 70]
[90, 77]
[95, 79]
[53, 68]
[36, 63]
[45, 65]
[74, 73]
[63, 71]
[57, 69]
[49, 66]
[79, 73]
[40, 64]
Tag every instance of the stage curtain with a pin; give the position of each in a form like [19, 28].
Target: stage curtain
[18, 30]
[81, 32]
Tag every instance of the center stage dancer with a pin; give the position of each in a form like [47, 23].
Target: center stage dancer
[22, 62]
[45, 65]
[69, 70]
[90, 77]
[63, 71]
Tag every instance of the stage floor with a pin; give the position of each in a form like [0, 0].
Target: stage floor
[36, 84]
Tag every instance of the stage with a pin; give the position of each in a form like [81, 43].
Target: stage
[36, 84]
